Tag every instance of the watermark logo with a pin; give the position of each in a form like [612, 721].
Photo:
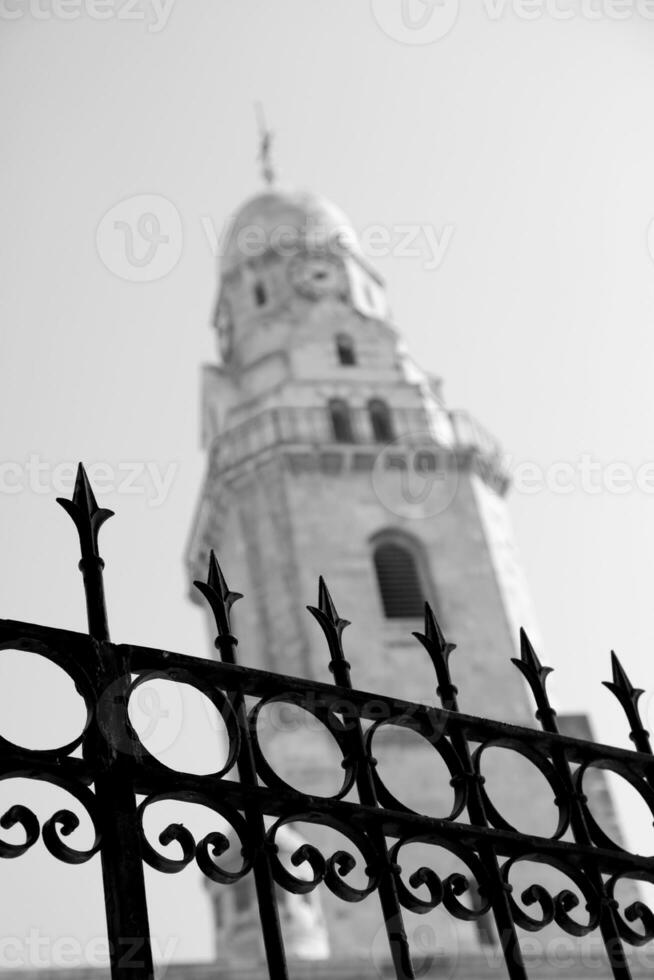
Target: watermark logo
[428, 945]
[415, 481]
[416, 21]
[426, 21]
[37, 950]
[149, 478]
[583, 475]
[156, 712]
[567, 10]
[155, 13]
[403, 240]
[408, 241]
[140, 239]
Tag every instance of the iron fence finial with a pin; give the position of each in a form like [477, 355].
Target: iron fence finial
[536, 676]
[621, 686]
[327, 608]
[628, 696]
[86, 515]
[88, 518]
[439, 651]
[332, 626]
[219, 596]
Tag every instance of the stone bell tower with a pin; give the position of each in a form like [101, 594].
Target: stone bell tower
[330, 452]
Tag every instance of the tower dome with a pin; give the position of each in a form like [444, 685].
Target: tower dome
[280, 221]
[285, 252]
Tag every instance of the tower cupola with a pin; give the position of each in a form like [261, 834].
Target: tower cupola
[284, 252]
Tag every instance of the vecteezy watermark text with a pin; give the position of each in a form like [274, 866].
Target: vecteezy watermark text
[155, 13]
[141, 239]
[402, 240]
[416, 482]
[419, 22]
[593, 10]
[37, 950]
[583, 475]
[148, 478]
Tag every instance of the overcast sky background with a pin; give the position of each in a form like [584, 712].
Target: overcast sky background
[532, 140]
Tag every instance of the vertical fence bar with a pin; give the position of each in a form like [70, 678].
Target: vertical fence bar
[536, 676]
[333, 626]
[439, 652]
[128, 928]
[221, 600]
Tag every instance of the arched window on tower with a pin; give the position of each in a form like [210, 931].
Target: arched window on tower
[398, 578]
[345, 349]
[341, 420]
[380, 420]
[259, 293]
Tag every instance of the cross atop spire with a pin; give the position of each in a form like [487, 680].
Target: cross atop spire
[265, 147]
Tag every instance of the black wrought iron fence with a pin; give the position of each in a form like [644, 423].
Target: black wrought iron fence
[116, 779]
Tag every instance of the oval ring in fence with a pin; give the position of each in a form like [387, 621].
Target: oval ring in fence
[644, 790]
[323, 712]
[544, 766]
[333, 869]
[83, 686]
[207, 849]
[127, 739]
[437, 741]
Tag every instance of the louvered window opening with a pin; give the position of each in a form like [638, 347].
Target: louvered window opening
[341, 420]
[380, 420]
[345, 350]
[259, 294]
[399, 582]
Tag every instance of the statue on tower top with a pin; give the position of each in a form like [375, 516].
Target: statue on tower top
[265, 147]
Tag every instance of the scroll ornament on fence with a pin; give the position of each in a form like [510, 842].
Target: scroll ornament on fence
[116, 781]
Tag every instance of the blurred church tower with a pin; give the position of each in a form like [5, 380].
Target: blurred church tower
[331, 453]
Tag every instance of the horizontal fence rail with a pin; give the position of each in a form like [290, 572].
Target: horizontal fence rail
[115, 779]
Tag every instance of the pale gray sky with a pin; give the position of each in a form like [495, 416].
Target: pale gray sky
[531, 140]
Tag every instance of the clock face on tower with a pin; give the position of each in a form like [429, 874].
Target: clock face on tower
[225, 327]
[316, 275]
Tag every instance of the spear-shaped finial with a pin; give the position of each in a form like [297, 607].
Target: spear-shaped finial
[628, 696]
[327, 607]
[85, 513]
[332, 626]
[536, 676]
[221, 599]
[439, 651]
[88, 519]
